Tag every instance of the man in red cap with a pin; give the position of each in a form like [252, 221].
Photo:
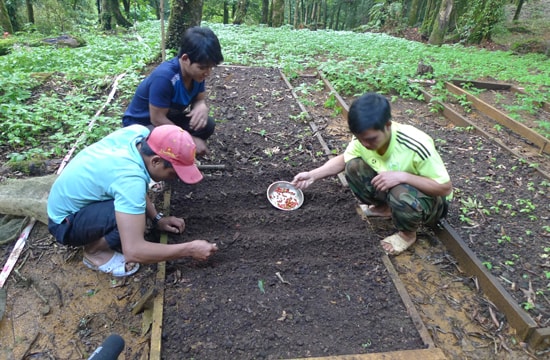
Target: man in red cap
[100, 200]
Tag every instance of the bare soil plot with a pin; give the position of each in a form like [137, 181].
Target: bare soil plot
[337, 292]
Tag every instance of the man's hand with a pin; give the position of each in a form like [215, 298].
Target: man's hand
[302, 180]
[386, 180]
[171, 224]
[198, 116]
[201, 249]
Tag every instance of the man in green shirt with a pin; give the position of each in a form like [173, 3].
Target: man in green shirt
[393, 169]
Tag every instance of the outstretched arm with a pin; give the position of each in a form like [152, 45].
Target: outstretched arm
[332, 167]
[136, 249]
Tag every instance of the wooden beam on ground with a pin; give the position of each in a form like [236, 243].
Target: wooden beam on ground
[460, 120]
[423, 354]
[409, 305]
[525, 326]
[499, 87]
[341, 102]
[540, 141]
[158, 303]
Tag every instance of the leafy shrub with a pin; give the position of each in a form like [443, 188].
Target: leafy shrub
[531, 46]
[6, 45]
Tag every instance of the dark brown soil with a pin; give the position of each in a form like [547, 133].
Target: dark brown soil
[338, 291]
[235, 306]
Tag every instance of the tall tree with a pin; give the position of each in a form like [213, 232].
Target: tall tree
[442, 22]
[414, 12]
[225, 12]
[5, 22]
[277, 13]
[518, 9]
[111, 15]
[183, 15]
[30, 11]
[430, 14]
[240, 13]
[265, 11]
[478, 23]
[296, 14]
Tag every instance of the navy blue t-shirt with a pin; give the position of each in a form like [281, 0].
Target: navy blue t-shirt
[163, 88]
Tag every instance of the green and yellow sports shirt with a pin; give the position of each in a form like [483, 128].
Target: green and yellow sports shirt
[410, 150]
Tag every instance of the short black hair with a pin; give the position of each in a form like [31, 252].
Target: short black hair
[201, 46]
[146, 150]
[369, 111]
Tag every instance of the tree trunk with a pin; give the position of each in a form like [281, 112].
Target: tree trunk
[336, 22]
[518, 10]
[156, 4]
[120, 19]
[98, 5]
[126, 6]
[296, 13]
[106, 17]
[278, 15]
[30, 11]
[183, 15]
[5, 22]
[111, 15]
[440, 26]
[413, 13]
[265, 11]
[225, 12]
[430, 17]
[240, 14]
[325, 14]
[305, 9]
[270, 20]
[482, 18]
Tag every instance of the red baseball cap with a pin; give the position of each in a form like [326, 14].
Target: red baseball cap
[176, 145]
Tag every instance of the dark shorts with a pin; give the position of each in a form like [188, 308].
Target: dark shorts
[90, 224]
[180, 120]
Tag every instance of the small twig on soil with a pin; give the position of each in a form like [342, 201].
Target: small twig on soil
[58, 293]
[77, 348]
[44, 300]
[30, 283]
[278, 274]
[494, 317]
[30, 346]
[144, 301]
[22, 262]
[503, 344]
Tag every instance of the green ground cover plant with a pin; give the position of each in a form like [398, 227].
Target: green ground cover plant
[48, 94]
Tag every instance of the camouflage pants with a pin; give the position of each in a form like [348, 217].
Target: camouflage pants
[410, 208]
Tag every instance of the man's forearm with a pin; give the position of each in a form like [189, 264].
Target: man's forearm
[150, 209]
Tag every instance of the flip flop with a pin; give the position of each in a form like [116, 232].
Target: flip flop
[116, 266]
[366, 210]
[156, 186]
[398, 243]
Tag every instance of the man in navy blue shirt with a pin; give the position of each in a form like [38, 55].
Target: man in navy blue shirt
[174, 93]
